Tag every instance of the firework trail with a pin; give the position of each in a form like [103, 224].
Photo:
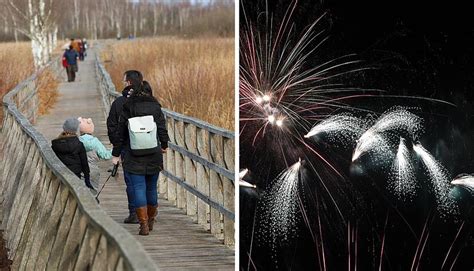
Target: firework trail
[466, 181]
[439, 179]
[396, 120]
[343, 128]
[403, 172]
[280, 206]
[277, 89]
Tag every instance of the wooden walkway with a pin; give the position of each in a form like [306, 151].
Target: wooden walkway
[176, 243]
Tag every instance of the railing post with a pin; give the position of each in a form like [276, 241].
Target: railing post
[217, 155]
[191, 171]
[179, 162]
[203, 178]
[171, 162]
[229, 192]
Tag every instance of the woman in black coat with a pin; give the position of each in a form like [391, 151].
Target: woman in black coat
[142, 169]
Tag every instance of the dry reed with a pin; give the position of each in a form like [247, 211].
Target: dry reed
[17, 65]
[194, 77]
[47, 91]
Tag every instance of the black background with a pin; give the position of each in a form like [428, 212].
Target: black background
[415, 49]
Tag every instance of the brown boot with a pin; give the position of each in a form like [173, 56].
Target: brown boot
[143, 219]
[152, 212]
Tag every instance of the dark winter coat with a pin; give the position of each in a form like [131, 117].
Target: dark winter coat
[71, 56]
[114, 114]
[137, 106]
[72, 153]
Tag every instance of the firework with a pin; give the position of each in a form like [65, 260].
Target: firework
[286, 99]
[340, 128]
[466, 181]
[403, 172]
[278, 92]
[395, 120]
[439, 179]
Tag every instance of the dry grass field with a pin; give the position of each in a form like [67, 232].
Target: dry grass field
[194, 77]
[17, 65]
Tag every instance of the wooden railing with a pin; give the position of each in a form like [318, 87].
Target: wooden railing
[199, 167]
[50, 219]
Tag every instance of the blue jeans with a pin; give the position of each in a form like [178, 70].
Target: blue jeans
[130, 193]
[144, 187]
[129, 190]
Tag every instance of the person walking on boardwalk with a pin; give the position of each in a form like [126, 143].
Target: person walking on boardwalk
[75, 45]
[143, 135]
[114, 137]
[71, 151]
[70, 58]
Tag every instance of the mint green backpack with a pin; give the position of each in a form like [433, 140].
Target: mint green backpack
[142, 133]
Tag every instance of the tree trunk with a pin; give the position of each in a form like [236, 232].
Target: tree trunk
[76, 15]
[155, 20]
[15, 30]
[119, 29]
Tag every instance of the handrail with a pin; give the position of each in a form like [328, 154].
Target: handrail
[50, 218]
[199, 166]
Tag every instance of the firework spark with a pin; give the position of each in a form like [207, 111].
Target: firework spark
[278, 89]
[439, 179]
[403, 172]
[466, 181]
[343, 128]
[280, 206]
[395, 120]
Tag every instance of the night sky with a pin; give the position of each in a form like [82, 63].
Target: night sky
[423, 50]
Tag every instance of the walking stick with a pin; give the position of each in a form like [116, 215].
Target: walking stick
[113, 173]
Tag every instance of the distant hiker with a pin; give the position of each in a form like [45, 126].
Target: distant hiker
[114, 138]
[84, 48]
[144, 138]
[94, 148]
[71, 151]
[70, 57]
[75, 45]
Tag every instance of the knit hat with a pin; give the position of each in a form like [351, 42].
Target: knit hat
[71, 125]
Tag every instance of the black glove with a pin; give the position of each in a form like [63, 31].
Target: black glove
[88, 183]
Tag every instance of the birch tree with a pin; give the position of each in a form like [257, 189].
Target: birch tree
[40, 26]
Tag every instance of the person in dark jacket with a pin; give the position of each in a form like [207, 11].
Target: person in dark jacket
[142, 170]
[71, 151]
[131, 77]
[71, 56]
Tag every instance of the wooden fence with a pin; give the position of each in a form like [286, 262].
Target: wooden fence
[50, 219]
[199, 167]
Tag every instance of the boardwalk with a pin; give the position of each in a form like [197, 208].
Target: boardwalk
[176, 243]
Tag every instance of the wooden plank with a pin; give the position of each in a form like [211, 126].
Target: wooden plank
[52, 228]
[20, 153]
[73, 242]
[112, 255]
[38, 196]
[21, 198]
[88, 249]
[39, 227]
[101, 262]
[62, 234]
